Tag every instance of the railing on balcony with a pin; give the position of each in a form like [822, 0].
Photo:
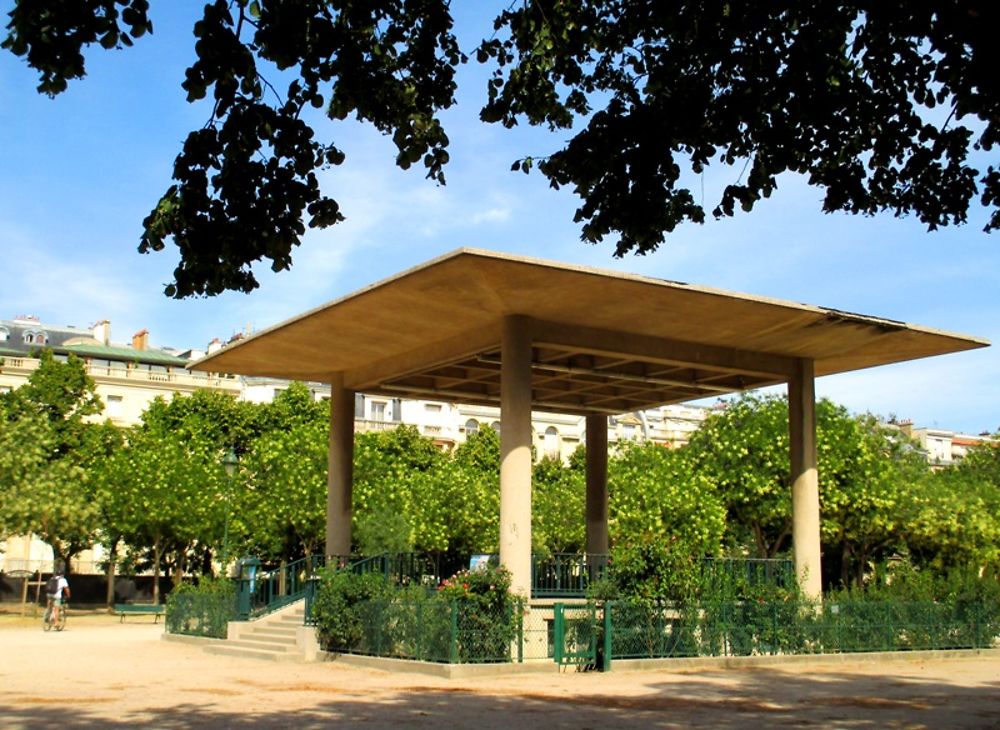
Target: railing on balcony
[178, 377]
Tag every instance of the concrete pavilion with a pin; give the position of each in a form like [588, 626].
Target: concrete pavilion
[479, 327]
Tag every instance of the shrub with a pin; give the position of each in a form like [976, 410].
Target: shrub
[201, 609]
[485, 613]
[336, 608]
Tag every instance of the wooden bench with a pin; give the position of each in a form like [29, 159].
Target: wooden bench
[141, 609]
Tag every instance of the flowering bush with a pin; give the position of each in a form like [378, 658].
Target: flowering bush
[486, 613]
[488, 587]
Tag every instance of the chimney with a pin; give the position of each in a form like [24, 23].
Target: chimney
[214, 346]
[140, 340]
[102, 332]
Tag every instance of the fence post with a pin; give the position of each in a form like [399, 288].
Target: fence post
[774, 625]
[559, 632]
[453, 648]
[606, 667]
[420, 632]
[520, 631]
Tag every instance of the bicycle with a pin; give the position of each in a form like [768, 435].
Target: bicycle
[49, 623]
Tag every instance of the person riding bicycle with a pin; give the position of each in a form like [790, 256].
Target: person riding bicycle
[56, 589]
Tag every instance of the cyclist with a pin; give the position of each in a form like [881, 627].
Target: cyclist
[56, 589]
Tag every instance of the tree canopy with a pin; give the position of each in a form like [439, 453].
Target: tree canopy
[880, 105]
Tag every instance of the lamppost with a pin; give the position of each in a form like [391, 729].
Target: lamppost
[229, 463]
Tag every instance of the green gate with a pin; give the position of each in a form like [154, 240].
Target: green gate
[575, 634]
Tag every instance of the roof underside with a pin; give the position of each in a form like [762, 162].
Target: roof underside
[603, 342]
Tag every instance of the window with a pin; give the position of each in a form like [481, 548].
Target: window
[114, 407]
[4, 334]
[378, 410]
[471, 426]
[495, 426]
[432, 407]
[552, 442]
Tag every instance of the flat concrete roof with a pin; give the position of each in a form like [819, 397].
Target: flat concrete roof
[603, 341]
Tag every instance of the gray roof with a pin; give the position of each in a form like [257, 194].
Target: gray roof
[79, 341]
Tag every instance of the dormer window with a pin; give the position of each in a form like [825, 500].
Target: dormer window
[34, 337]
[4, 334]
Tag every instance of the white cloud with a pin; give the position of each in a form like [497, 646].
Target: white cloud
[490, 215]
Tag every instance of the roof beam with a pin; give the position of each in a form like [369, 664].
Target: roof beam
[618, 375]
[661, 350]
[423, 359]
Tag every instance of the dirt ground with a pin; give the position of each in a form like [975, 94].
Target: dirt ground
[100, 673]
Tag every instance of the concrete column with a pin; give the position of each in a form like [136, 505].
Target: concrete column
[340, 478]
[597, 484]
[515, 452]
[804, 479]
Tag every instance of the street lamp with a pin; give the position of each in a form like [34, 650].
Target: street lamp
[229, 463]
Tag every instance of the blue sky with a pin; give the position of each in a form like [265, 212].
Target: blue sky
[79, 173]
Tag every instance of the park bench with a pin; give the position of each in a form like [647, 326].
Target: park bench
[154, 609]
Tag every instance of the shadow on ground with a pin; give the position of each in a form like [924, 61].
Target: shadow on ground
[747, 699]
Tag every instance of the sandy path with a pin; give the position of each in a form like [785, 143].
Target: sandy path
[102, 674]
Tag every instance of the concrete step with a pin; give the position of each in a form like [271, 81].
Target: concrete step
[272, 637]
[274, 632]
[229, 649]
[263, 643]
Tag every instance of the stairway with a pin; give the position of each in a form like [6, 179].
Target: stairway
[273, 637]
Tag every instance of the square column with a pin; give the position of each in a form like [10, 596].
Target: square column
[597, 484]
[804, 479]
[340, 478]
[515, 452]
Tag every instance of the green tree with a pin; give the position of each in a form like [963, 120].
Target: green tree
[49, 448]
[742, 449]
[208, 417]
[282, 506]
[558, 510]
[652, 492]
[879, 105]
[388, 466]
[166, 494]
[952, 517]
[865, 473]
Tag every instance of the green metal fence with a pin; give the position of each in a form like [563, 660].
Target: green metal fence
[432, 630]
[200, 614]
[565, 575]
[630, 631]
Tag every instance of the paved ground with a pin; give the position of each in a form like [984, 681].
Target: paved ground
[102, 674]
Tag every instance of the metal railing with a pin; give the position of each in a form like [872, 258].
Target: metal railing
[623, 630]
[565, 575]
[260, 591]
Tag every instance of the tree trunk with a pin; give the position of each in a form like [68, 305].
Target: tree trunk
[112, 560]
[180, 566]
[859, 568]
[156, 569]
